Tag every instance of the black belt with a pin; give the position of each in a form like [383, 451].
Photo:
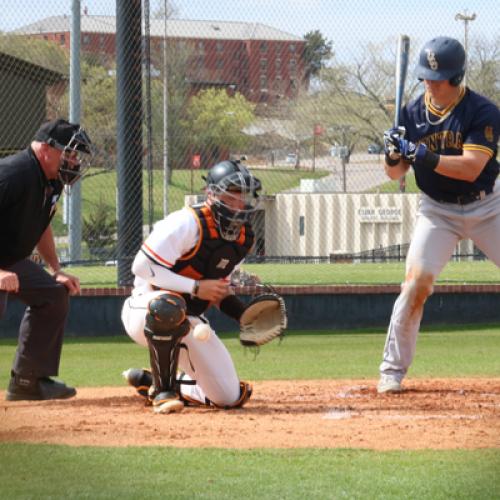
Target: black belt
[463, 199]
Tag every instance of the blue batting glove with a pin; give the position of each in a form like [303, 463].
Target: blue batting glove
[412, 153]
[392, 140]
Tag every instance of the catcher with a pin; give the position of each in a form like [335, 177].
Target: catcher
[183, 268]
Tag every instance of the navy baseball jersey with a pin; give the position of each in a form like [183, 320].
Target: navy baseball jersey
[470, 123]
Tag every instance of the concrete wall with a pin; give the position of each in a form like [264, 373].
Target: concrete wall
[100, 315]
[323, 224]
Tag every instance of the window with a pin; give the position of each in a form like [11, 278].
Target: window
[302, 224]
[292, 47]
[102, 41]
[86, 39]
[201, 47]
[263, 64]
[277, 63]
[219, 63]
[219, 46]
[263, 82]
[263, 47]
[62, 39]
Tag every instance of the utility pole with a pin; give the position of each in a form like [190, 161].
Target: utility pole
[466, 19]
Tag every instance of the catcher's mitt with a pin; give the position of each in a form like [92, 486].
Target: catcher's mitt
[263, 320]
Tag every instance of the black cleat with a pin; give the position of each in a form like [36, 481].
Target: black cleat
[139, 378]
[167, 402]
[37, 389]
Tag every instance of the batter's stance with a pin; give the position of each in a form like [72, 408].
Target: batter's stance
[182, 269]
[449, 136]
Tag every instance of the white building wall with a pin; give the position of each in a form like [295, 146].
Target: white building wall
[337, 223]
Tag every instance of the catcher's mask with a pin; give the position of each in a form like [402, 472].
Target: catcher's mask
[75, 145]
[232, 196]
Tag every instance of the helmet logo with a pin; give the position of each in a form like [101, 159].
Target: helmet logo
[431, 59]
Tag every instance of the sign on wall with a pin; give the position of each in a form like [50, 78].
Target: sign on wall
[380, 214]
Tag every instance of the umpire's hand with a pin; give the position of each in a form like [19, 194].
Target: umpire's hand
[72, 283]
[9, 282]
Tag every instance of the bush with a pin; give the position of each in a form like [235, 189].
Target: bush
[99, 230]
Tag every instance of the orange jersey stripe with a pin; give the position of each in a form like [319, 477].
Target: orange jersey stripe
[155, 255]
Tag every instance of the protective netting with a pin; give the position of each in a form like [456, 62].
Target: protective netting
[302, 89]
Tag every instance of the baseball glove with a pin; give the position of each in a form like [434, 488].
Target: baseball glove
[263, 320]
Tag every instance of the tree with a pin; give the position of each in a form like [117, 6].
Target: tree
[355, 100]
[483, 73]
[44, 53]
[178, 58]
[317, 52]
[216, 120]
[99, 230]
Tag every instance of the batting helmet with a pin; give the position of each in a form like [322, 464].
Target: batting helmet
[227, 180]
[442, 58]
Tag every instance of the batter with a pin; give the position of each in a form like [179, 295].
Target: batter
[449, 135]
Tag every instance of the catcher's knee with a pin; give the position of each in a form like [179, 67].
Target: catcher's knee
[245, 394]
[246, 390]
[166, 317]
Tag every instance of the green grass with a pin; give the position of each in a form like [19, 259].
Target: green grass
[465, 352]
[324, 274]
[393, 186]
[51, 471]
[29, 471]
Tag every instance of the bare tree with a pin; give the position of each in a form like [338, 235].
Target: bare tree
[484, 67]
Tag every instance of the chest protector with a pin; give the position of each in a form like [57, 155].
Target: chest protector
[212, 257]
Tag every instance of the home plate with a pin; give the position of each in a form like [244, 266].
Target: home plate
[339, 414]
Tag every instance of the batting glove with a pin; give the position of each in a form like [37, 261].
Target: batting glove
[392, 145]
[418, 155]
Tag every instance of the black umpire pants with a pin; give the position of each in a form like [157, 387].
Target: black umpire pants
[42, 327]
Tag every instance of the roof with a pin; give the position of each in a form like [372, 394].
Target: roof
[26, 69]
[176, 28]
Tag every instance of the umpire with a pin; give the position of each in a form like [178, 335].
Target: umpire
[31, 182]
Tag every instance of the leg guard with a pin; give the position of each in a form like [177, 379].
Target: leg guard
[166, 324]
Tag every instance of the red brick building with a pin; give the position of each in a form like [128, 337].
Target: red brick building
[261, 62]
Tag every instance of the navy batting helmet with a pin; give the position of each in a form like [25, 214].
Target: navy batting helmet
[442, 58]
[227, 180]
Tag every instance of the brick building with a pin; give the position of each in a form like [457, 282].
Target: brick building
[261, 62]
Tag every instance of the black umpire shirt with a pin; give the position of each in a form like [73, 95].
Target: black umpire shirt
[27, 204]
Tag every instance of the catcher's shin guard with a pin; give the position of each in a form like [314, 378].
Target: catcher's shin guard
[166, 324]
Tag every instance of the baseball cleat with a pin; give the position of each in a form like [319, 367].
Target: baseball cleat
[37, 389]
[167, 402]
[388, 385]
[139, 378]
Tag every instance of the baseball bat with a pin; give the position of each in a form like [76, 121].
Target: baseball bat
[402, 57]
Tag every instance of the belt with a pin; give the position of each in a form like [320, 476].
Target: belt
[464, 199]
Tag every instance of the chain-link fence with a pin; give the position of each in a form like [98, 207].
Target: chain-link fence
[302, 90]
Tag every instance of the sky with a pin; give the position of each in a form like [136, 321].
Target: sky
[347, 23]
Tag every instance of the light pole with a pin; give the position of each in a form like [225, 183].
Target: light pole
[466, 19]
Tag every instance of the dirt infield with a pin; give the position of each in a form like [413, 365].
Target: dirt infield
[437, 413]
